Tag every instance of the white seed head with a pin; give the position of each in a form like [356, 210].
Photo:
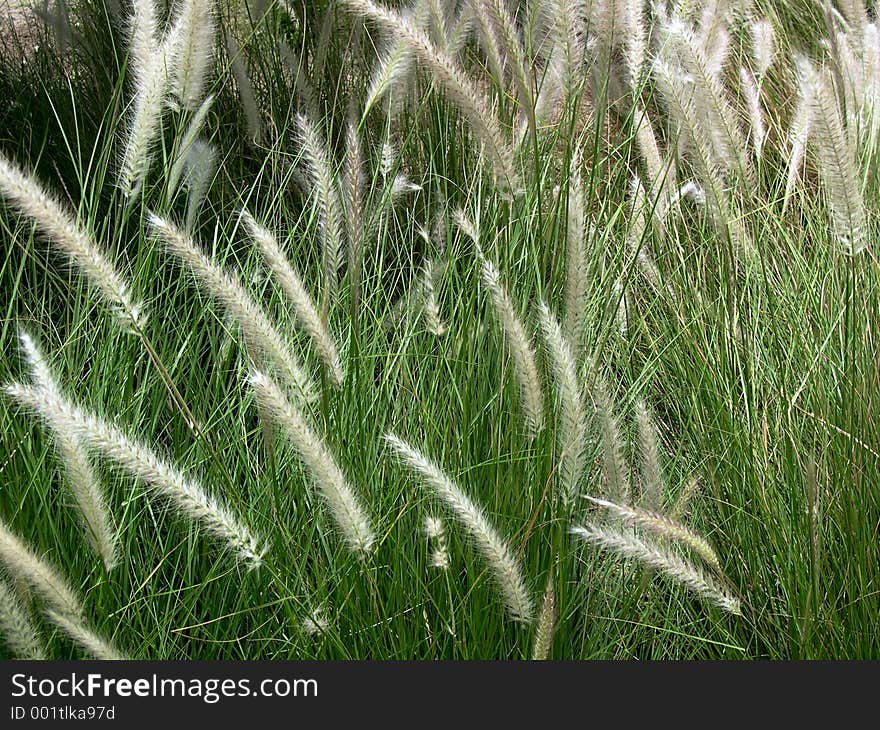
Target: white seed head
[440, 559]
[500, 559]
[572, 430]
[261, 336]
[434, 527]
[763, 44]
[185, 493]
[304, 310]
[22, 562]
[94, 645]
[82, 481]
[316, 623]
[16, 626]
[341, 499]
[524, 365]
[628, 545]
[71, 238]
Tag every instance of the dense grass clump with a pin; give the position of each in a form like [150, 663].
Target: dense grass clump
[478, 329]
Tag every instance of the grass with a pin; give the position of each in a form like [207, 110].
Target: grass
[761, 375]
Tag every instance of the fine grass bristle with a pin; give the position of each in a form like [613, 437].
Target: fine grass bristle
[186, 494]
[345, 507]
[260, 334]
[667, 562]
[93, 644]
[70, 237]
[21, 562]
[81, 477]
[303, 309]
[460, 89]
[16, 626]
[498, 555]
[572, 429]
[525, 367]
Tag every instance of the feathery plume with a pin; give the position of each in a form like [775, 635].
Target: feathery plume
[706, 159]
[466, 226]
[186, 494]
[855, 12]
[661, 173]
[439, 14]
[94, 645]
[628, 545]
[143, 32]
[716, 48]
[434, 320]
[568, 54]
[546, 624]
[620, 316]
[21, 562]
[81, 478]
[16, 626]
[501, 561]
[763, 45]
[524, 366]
[303, 309]
[436, 534]
[664, 527]
[70, 237]
[651, 496]
[836, 158]
[538, 30]
[711, 102]
[798, 137]
[489, 41]
[601, 34]
[550, 93]
[394, 68]
[434, 527]
[144, 124]
[401, 184]
[753, 106]
[693, 192]
[317, 622]
[870, 109]
[632, 22]
[344, 506]
[849, 78]
[460, 90]
[389, 159]
[259, 333]
[440, 559]
[324, 35]
[391, 72]
[572, 417]
[575, 259]
[330, 211]
[509, 40]
[190, 50]
[683, 501]
[460, 31]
